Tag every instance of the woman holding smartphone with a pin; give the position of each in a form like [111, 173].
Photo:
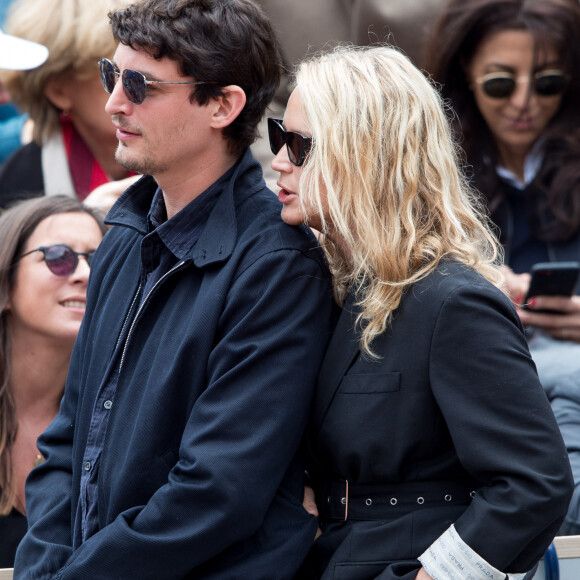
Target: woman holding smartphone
[423, 460]
[510, 71]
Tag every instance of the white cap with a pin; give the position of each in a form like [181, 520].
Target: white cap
[19, 54]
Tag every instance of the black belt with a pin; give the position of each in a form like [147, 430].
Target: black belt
[341, 500]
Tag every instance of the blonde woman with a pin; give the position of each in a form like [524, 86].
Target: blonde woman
[74, 141]
[432, 450]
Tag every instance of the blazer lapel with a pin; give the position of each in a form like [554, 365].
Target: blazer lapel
[342, 350]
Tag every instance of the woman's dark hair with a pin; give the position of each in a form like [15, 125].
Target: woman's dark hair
[17, 224]
[224, 42]
[461, 28]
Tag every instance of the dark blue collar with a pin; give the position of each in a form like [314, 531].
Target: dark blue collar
[217, 240]
[181, 232]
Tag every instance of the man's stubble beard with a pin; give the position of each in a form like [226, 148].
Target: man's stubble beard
[144, 166]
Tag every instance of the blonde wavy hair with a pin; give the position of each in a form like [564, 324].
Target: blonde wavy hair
[77, 34]
[385, 163]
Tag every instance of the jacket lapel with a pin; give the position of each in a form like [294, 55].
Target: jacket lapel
[342, 350]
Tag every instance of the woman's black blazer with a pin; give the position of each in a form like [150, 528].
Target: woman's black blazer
[453, 395]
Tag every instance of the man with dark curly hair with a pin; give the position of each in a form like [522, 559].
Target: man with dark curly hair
[175, 452]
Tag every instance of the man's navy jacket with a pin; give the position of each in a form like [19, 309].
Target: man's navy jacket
[199, 475]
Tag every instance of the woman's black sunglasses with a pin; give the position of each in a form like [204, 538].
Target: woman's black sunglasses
[545, 83]
[60, 259]
[134, 83]
[297, 145]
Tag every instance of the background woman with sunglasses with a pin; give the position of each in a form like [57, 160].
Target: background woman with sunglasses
[73, 143]
[510, 69]
[423, 460]
[45, 248]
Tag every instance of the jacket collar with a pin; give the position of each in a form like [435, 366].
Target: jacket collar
[218, 238]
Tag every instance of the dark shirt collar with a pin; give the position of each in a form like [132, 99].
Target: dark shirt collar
[181, 232]
[219, 235]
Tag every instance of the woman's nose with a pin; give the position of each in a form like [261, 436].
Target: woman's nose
[522, 94]
[281, 162]
[82, 270]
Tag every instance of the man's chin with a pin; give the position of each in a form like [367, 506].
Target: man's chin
[124, 159]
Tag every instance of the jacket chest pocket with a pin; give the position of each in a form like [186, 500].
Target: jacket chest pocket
[378, 425]
[363, 415]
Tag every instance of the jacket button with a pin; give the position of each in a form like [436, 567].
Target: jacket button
[393, 501]
[369, 501]
[108, 404]
[448, 497]
[87, 465]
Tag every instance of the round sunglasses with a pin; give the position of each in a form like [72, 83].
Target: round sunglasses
[60, 259]
[297, 145]
[545, 83]
[134, 82]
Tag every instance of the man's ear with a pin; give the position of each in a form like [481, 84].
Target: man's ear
[57, 91]
[230, 105]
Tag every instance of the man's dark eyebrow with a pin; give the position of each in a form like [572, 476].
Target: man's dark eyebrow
[148, 76]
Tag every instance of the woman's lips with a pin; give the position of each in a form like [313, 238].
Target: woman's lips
[284, 196]
[74, 303]
[522, 124]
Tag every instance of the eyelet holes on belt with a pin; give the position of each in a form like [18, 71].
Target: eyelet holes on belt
[369, 501]
[393, 501]
[343, 500]
[472, 495]
[448, 497]
[420, 500]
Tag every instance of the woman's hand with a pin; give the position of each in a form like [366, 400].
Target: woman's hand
[565, 325]
[422, 575]
[309, 504]
[104, 196]
[517, 285]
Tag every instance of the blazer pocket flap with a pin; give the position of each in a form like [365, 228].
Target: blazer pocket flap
[370, 383]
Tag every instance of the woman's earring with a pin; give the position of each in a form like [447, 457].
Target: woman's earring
[65, 117]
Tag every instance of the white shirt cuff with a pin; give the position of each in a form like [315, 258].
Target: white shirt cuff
[450, 558]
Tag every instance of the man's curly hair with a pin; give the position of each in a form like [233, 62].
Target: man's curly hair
[223, 42]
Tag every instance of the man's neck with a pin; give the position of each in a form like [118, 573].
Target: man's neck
[182, 186]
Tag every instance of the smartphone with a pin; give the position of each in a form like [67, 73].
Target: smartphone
[553, 279]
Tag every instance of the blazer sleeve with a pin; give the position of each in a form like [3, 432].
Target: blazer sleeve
[502, 427]
[242, 434]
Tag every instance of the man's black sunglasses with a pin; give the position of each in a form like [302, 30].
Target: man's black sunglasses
[297, 145]
[60, 259]
[134, 83]
[545, 83]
